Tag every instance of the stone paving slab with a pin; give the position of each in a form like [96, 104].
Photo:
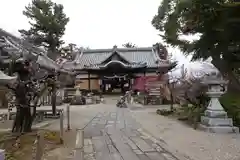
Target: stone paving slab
[117, 136]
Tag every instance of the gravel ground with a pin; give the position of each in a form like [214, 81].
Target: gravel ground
[198, 145]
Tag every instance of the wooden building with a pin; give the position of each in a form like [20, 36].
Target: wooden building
[119, 68]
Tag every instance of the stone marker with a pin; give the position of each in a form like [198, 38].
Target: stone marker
[79, 146]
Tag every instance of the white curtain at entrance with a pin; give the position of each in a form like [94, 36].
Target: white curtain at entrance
[115, 76]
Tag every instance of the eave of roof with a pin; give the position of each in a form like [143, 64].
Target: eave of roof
[104, 66]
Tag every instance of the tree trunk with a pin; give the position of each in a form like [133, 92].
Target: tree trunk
[17, 121]
[23, 120]
[53, 99]
[27, 127]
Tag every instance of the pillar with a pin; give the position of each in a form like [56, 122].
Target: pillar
[89, 82]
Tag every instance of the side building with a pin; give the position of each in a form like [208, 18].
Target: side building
[108, 70]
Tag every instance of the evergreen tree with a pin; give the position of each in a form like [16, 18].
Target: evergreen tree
[216, 21]
[48, 22]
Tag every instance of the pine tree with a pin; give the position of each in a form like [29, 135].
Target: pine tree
[48, 23]
[216, 21]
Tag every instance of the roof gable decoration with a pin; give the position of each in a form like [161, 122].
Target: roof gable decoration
[159, 60]
[160, 51]
[102, 66]
[115, 56]
[155, 55]
[77, 59]
[114, 53]
[130, 65]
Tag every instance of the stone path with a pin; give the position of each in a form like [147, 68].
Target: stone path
[117, 136]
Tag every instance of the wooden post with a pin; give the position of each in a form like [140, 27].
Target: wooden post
[79, 147]
[68, 117]
[39, 146]
[53, 99]
[54, 94]
[61, 127]
[89, 82]
[9, 113]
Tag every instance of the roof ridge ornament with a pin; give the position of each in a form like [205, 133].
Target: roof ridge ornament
[115, 48]
[78, 56]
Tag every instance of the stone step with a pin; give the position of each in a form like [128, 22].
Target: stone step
[216, 114]
[219, 129]
[216, 121]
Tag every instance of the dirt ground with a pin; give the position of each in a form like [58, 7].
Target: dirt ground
[23, 147]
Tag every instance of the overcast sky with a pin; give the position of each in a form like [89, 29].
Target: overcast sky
[97, 23]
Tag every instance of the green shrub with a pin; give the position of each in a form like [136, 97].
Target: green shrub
[231, 104]
[164, 112]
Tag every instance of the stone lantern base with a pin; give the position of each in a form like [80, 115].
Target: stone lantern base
[217, 121]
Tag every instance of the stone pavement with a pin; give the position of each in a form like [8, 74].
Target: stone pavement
[117, 136]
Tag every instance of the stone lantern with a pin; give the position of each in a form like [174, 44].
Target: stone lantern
[215, 118]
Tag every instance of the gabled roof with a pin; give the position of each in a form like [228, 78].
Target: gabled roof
[135, 56]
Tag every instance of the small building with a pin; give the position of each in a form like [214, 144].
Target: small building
[112, 69]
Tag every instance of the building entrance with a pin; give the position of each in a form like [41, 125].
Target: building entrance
[115, 84]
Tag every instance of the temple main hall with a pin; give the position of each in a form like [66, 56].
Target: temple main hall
[120, 69]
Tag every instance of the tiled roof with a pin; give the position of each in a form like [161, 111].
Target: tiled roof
[95, 57]
[18, 48]
[16, 44]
